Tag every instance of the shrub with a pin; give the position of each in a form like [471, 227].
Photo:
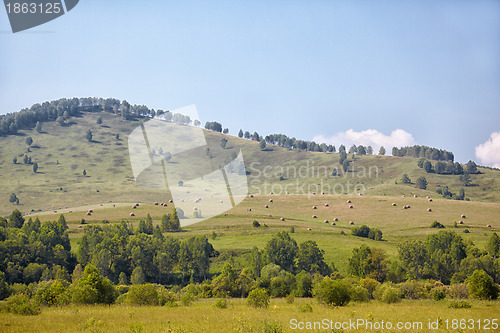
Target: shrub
[258, 298]
[142, 294]
[387, 293]
[438, 294]
[306, 307]
[166, 297]
[412, 290]
[52, 293]
[21, 304]
[437, 225]
[187, 299]
[272, 326]
[220, 303]
[255, 224]
[360, 294]
[459, 304]
[458, 291]
[332, 292]
[481, 286]
[93, 288]
[370, 284]
[290, 299]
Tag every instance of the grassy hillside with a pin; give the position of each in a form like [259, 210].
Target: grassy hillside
[62, 154]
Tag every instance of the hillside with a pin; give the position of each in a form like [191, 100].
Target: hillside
[62, 153]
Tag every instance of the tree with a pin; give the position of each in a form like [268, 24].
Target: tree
[223, 143]
[282, 250]
[440, 167]
[137, 276]
[465, 178]
[413, 256]
[381, 151]
[38, 127]
[167, 156]
[258, 298]
[196, 123]
[16, 219]
[14, 160]
[494, 246]
[117, 136]
[89, 135]
[99, 120]
[405, 179]
[225, 131]
[122, 279]
[262, 145]
[471, 167]
[342, 156]
[481, 286]
[310, 259]
[361, 150]
[240, 134]
[332, 292]
[13, 198]
[29, 141]
[422, 183]
[345, 165]
[84, 172]
[93, 288]
[60, 120]
[421, 162]
[165, 223]
[35, 167]
[428, 166]
[369, 150]
[247, 135]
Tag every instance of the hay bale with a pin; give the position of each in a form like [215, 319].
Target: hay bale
[113, 205]
[394, 204]
[327, 205]
[221, 201]
[287, 192]
[282, 219]
[314, 193]
[156, 203]
[315, 207]
[408, 206]
[430, 200]
[405, 207]
[415, 196]
[271, 193]
[314, 217]
[308, 229]
[88, 213]
[270, 200]
[335, 219]
[134, 207]
[251, 195]
[348, 201]
[326, 221]
[427, 197]
[171, 201]
[488, 226]
[463, 216]
[429, 210]
[351, 222]
[137, 204]
[351, 206]
[132, 214]
[460, 222]
[249, 209]
[322, 193]
[266, 206]
[333, 223]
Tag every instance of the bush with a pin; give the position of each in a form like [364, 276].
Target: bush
[387, 293]
[332, 292]
[21, 304]
[290, 299]
[221, 303]
[437, 225]
[459, 304]
[438, 294]
[306, 307]
[360, 294]
[166, 297]
[272, 326]
[187, 299]
[52, 293]
[142, 294]
[481, 286]
[412, 290]
[258, 298]
[458, 291]
[370, 284]
[255, 224]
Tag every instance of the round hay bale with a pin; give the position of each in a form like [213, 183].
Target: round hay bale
[429, 210]
[335, 219]
[327, 205]
[221, 201]
[326, 221]
[270, 215]
[225, 214]
[315, 207]
[287, 192]
[91, 211]
[314, 217]
[314, 193]
[427, 197]
[156, 203]
[134, 207]
[322, 193]
[405, 207]
[430, 200]
[251, 195]
[88, 213]
[137, 204]
[333, 223]
[403, 196]
[348, 201]
[463, 216]
[170, 201]
[132, 214]
[488, 226]
[360, 194]
[351, 206]
[270, 200]
[460, 222]
[308, 229]
[266, 206]
[415, 196]
[113, 205]
[249, 209]
[282, 219]
[408, 206]
[351, 222]
[271, 193]
[394, 204]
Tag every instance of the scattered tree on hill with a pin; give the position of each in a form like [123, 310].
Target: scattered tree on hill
[369, 150]
[428, 166]
[440, 168]
[422, 183]
[99, 120]
[368, 262]
[471, 167]
[225, 131]
[353, 149]
[381, 151]
[421, 162]
[481, 286]
[310, 258]
[361, 150]
[282, 250]
[494, 246]
[13, 198]
[332, 292]
[196, 123]
[29, 141]
[223, 143]
[465, 179]
[247, 135]
[405, 179]
[342, 156]
[89, 135]
[240, 133]
[167, 156]
[14, 160]
[16, 219]
[35, 167]
[84, 172]
[117, 136]
[38, 127]
[345, 165]
[367, 232]
[213, 126]
[262, 145]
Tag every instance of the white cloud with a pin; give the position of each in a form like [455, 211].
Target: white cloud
[488, 153]
[370, 137]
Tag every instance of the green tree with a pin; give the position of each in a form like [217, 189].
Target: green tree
[167, 156]
[369, 150]
[14, 160]
[84, 172]
[465, 178]
[405, 179]
[165, 223]
[494, 246]
[367, 262]
[93, 288]
[98, 121]
[332, 292]
[471, 167]
[262, 144]
[240, 134]
[282, 250]
[422, 183]
[421, 162]
[16, 219]
[175, 224]
[89, 135]
[223, 143]
[345, 165]
[414, 257]
[361, 150]
[29, 141]
[35, 167]
[342, 156]
[381, 151]
[149, 225]
[38, 127]
[428, 166]
[13, 198]
[440, 167]
[196, 123]
[122, 279]
[310, 258]
[481, 286]
[304, 284]
[137, 276]
[258, 298]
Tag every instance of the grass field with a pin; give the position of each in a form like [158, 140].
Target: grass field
[202, 316]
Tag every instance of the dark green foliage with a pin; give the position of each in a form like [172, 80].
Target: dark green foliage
[423, 151]
[459, 304]
[13, 198]
[345, 165]
[4, 287]
[438, 294]
[303, 284]
[142, 294]
[35, 167]
[255, 224]
[471, 167]
[368, 262]
[14, 160]
[422, 183]
[381, 151]
[84, 172]
[481, 286]
[29, 141]
[437, 225]
[282, 250]
[137, 276]
[494, 246]
[258, 298]
[223, 143]
[240, 133]
[405, 179]
[465, 179]
[38, 127]
[213, 126]
[262, 145]
[428, 166]
[93, 288]
[421, 162]
[23, 305]
[310, 258]
[53, 292]
[89, 135]
[367, 232]
[99, 120]
[16, 219]
[332, 292]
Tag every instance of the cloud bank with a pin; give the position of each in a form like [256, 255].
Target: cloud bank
[488, 153]
[370, 137]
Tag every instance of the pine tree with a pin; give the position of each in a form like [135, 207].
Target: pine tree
[175, 223]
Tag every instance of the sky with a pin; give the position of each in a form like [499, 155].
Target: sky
[389, 73]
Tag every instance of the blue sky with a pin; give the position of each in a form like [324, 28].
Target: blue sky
[384, 72]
